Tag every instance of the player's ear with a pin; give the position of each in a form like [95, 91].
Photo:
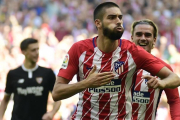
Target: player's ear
[132, 38]
[23, 52]
[154, 42]
[98, 23]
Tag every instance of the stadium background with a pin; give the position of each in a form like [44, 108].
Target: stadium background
[57, 24]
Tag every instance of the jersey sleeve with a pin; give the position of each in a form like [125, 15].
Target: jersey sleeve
[146, 61]
[174, 102]
[51, 79]
[167, 65]
[70, 63]
[9, 86]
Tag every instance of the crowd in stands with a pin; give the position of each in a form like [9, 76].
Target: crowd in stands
[57, 24]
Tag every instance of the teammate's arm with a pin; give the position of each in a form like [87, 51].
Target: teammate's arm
[64, 90]
[3, 105]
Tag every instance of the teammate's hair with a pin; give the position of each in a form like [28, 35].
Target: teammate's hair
[100, 9]
[147, 22]
[25, 43]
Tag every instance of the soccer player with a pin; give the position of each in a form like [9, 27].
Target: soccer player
[30, 85]
[106, 69]
[145, 100]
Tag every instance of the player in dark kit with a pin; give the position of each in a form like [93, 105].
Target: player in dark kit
[31, 85]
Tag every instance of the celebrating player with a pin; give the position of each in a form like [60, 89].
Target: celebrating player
[145, 99]
[106, 69]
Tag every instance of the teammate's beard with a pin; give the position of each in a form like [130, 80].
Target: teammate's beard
[112, 34]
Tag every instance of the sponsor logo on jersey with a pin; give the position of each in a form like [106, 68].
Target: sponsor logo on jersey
[65, 61]
[141, 97]
[21, 81]
[39, 80]
[119, 67]
[113, 87]
[37, 91]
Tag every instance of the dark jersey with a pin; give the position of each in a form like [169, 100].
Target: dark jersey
[31, 89]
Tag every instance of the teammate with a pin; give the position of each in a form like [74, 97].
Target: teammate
[30, 84]
[145, 100]
[106, 70]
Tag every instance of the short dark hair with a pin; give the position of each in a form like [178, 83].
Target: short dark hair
[147, 22]
[100, 9]
[25, 43]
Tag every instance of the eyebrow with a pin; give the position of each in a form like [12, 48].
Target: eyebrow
[115, 15]
[144, 32]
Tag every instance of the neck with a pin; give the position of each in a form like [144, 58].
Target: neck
[149, 51]
[106, 45]
[29, 65]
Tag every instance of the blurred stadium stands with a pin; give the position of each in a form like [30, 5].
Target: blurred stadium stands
[57, 24]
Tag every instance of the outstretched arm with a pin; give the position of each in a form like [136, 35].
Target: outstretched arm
[3, 105]
[64, 90]
[168, 79]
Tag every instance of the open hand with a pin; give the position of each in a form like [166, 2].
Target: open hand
[98, 79]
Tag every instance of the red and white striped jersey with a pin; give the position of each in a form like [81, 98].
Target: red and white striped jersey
[146, 100]
[114, 100]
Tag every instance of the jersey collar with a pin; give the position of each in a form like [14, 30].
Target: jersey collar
[95, 38]
[29, 70]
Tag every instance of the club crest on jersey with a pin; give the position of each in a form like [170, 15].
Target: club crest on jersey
[146, 80]
[65, 61]
[39, 80]
[89, 68]
[119, 67]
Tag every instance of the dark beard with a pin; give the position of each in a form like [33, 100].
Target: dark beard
[112, 34]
